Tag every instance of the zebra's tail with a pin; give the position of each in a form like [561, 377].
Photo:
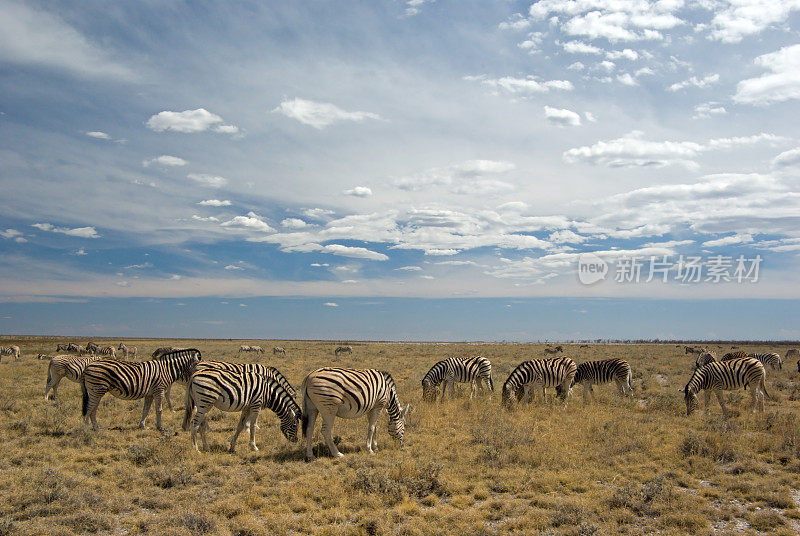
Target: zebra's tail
[764, 389]
[491, 383]
[49, 374]
[85, 393]
[188, 408]
[304, 417]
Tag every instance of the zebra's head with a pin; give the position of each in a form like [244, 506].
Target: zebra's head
[428, 390]
[511, 393]
[690, 398]
[289, 424]
[397, 427]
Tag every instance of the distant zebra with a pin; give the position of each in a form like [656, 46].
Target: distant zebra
[62, 347]
[135, 380]
[693, 350]
[350, 393]
[734, 355]
[107, 350]
[10, 350]
[792, 352]
[257, 349]
[72, 347]
[556, 350]
[44, 356]
[599, 372]
[245, 391]
[704, 359]
[127, 351]
[557, 372]
[278, 350]
[475, 370]
[65, 366]
[771, 359]
[244, 348]
[92, 347]
[726, 376]
[343, 350]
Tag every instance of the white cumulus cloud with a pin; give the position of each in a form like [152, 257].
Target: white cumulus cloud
[189, 121]
[215, 203]
[212, 181]
[358, 191]
[165, 160]
[562, 117]
[319, 114]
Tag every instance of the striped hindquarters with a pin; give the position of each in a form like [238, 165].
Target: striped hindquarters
[771, 359]
[704, 359]
[599, 372]
[68, 366]
[734, 355]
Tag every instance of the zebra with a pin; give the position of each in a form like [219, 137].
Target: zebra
[135, 380]
[556, 350]
[476, 370]
[62, 347]
[734, 355]
[44, 356]
[557, 372]
[92, 347]
[349, 394]
[244, 348]
[10, 350]
[237, 390]
[65, 366]
[792, 352]
[257, 349]
[278, 350]
[704, 359]
[127, 351]
[72, 347]
[107, 350]
[598, 372]
[771, 359]
[725, 376]
[343, 350]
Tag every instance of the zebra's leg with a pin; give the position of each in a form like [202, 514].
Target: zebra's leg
[707, 395]
[544, 394]
[527, 390]
[473, 389]
[309, 418]
[159, 396]
[444, 390]
[197, 421]
[327, 431]
[52, 383]
[239, 428]
[372, 441]
[721, 403]
[91, 409]
[594, 396]
[253, 425]
[169, 400]
[148, 399]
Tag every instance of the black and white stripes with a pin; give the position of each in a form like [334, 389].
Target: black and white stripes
[476, 370]
[349, 394]
[65, 366]
[725, 376]
[543, 373]
[131, 381]
[600, 372]
[242, 390]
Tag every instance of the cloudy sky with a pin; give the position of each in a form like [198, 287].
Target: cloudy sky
[191, 169]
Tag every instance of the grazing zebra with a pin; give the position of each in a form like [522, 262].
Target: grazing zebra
[127, 351]
[236, 390]
[349, 394]
[244, 348]
[476, 370]
[65, 366]
[158, 352]
[557, 372]
[72, 347]
[599, 372]
[278, 350]
[771, 359]
[257, 349]
[44, 356]
[62, 347]
[343, 350]
[584, 346]
[726, 376]
[793, 352]
[107, 350]
[704, 359]
[135, 380]
[10, 350]
[92, 347]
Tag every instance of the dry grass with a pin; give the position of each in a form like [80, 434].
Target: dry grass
[635, 466]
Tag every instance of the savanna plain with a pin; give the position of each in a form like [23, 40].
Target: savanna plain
[619, 465]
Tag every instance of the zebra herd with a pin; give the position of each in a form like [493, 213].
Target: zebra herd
[352, 393]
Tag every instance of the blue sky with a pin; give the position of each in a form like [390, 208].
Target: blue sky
[451, 157]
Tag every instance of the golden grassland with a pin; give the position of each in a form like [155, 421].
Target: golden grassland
[620, 466]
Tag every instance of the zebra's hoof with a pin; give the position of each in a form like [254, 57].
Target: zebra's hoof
[309, 458]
